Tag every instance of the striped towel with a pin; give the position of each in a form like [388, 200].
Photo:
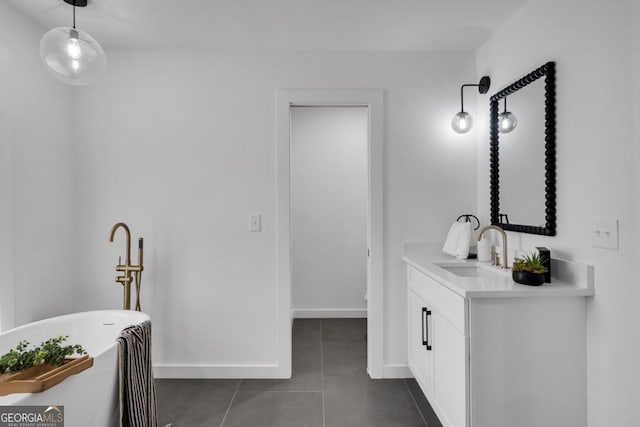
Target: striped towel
[137, 390]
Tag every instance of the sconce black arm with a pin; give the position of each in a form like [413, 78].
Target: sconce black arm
[483, 87]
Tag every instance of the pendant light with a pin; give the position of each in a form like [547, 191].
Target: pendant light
[507, 121]
[71, 55]
[462, 121]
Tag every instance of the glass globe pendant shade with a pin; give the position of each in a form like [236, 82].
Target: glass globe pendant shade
[462, 122]
[72, 56]
[507, 122]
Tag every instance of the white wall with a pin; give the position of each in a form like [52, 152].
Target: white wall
[591, 42]
[634, 291]
[181, 146]
[329, 211]
[37, 266]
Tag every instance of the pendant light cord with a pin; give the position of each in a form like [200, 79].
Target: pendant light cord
[74, 14]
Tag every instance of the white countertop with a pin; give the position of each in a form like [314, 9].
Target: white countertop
[568, 278]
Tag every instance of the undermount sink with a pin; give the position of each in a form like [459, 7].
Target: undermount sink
[470, 270]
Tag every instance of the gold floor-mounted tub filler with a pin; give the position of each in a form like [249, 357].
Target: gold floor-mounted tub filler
[128, 268]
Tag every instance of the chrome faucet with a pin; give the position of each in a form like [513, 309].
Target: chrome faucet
[504, 242]
[127, 268]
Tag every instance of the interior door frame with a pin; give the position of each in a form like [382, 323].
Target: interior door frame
[7, 281]
[374, 100]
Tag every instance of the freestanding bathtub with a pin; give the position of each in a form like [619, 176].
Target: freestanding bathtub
[90, 398]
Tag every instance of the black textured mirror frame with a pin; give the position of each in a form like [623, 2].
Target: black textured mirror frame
[548, 71]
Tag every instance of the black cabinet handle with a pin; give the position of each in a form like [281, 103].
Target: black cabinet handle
[425, 327]
[424, 320]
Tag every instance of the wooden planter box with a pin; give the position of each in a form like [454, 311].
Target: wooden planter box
[43, 376]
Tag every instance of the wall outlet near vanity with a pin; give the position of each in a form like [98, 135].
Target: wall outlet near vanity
[604, 234]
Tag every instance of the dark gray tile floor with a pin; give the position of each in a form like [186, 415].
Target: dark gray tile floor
[329, 388]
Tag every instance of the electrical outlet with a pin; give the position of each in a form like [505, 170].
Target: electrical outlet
[255, 222]
[605, 234]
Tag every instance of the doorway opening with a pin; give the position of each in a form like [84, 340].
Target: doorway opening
[312, 218]
[328, 148]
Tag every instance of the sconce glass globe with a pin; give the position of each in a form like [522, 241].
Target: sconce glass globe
[462, 122]
[72, 56]
[507, 122]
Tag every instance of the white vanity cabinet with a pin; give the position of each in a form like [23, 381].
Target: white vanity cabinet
[438, 348]
[490, 353]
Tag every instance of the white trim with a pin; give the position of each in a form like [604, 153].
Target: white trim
[396, 371]
[7, 281]
[373, 99]
[283, 272]
[375, 277]
[216, 371]
[329, 313]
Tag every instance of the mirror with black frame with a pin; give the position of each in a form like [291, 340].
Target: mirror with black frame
[523, 159]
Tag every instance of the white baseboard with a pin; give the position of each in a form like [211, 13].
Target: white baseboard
[396, 371]
[217, 371]
[328, 313]
[249, 371]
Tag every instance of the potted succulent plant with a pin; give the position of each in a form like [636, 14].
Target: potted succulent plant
[529, 270]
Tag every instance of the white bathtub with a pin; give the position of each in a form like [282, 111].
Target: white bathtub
[90, 398]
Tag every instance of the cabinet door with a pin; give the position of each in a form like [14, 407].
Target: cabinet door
[450, 372]
[420, 359]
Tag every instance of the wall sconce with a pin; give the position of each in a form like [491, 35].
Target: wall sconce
[71, 55]
[507, 121]
[462, 122]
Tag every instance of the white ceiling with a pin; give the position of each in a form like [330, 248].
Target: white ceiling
[328, 25]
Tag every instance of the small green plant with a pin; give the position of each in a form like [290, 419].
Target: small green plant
[531, 263]
[49, 351]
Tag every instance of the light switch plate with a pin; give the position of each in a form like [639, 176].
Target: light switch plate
[604, 234]
[255, 222]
